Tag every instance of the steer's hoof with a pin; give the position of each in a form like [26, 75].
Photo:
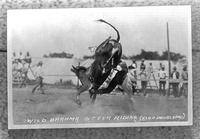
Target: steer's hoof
[92, 92]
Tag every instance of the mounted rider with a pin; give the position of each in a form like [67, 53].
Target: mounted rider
[113, 69]
[107, 58]
[118, 70]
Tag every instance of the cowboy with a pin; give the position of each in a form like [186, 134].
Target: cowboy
[39, 78]
[102, 53]
[162, 74]
[117, 78]
[118, 72]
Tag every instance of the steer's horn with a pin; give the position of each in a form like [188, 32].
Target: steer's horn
[73, 67]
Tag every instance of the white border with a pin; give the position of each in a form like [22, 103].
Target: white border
[11, 124]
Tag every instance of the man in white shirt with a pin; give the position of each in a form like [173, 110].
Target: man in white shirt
[39, 78]
[21, 57]
[143, 77]
[133, 75]
[162, 74]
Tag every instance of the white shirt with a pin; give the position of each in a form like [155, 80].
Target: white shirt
[174, 75]
[39, 71]
[21, 57]
[162, 74]
[19, 66]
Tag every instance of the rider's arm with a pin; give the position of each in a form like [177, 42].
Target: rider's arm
[99, 48]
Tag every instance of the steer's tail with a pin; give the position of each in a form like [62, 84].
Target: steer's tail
[118, 36]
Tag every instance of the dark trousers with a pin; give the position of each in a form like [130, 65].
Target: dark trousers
[175, 89]
[184, 89]
[39, 85]
[162, 87]
[24, 80]
[117, 80]
[144, 86]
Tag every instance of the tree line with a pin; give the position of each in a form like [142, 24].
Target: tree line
[59, 55]
[149, 55]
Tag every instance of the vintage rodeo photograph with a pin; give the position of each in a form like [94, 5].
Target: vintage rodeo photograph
[99, 67]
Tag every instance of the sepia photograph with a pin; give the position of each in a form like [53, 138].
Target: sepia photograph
[99, 67]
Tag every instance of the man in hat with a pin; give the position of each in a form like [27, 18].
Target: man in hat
[162, 74]
[175, 76]
[39, 78]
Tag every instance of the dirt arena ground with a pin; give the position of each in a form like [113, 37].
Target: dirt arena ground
[57, 103]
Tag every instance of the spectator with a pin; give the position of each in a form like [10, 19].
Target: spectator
[24, 73]
[28, 58]
[150, 70]
[133, 75]
[175, 84]
[14, 57]
[143, 77]
[184, 86]
[21, 57]
[39, 78]
[162, 74]
[160, 68]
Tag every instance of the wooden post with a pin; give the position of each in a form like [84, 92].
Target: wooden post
[169, 59]
[168, 46]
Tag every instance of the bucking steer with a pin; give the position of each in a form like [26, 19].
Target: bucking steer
[83, 75]
[107, 62]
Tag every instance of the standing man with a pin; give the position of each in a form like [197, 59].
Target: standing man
[175, 76]
[39, 78]
[21, 57]
[133, 73]
[24, 73]
[28, 58]
[143, 77]
[184, 77]
[162, 74]
[150, 70]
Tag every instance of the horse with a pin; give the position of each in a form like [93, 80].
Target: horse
[83, 75]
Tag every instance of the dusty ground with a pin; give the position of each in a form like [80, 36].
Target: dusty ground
[32, 108]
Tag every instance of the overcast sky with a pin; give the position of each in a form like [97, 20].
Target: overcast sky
[74, 30]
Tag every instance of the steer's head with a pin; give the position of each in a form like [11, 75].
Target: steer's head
[78, 70]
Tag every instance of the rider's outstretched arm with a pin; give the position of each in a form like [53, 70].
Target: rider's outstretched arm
[99, 48]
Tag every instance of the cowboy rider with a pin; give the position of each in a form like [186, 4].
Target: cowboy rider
[118, 72]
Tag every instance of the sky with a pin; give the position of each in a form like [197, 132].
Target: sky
[74, 30]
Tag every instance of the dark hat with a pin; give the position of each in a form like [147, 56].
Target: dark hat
[40, 63]
[174, 68]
